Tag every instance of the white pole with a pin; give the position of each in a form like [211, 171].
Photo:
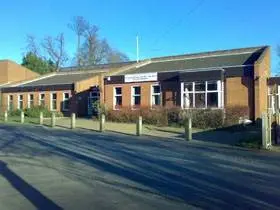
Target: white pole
[137, 48]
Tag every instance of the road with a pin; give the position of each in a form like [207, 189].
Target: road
[44, 168]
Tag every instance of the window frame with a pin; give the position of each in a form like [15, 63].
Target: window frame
[115, 95]
[9, 101]
[155, 94]
[133, 106]
[63, 101]
[28, 100]
[40, 100]
[193, 92]
[51, 100]
[18, 106]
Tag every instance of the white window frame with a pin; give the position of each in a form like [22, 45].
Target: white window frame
[115, 96]
[133, 95]
[220, 91]
[40, 100]
[18, 106]
[9, 108]
[28, 100]
[155, 94]
[63, 105]
[274, 99]
[51, 99]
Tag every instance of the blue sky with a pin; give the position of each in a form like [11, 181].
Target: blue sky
[164, 27]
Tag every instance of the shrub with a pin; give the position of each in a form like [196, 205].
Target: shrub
[34, 112]
[172, 116]
[14, 112]
[233, 113]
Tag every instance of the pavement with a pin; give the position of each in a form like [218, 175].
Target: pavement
[44, 168]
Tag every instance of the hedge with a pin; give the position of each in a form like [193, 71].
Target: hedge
[201, 118]
[34, 112]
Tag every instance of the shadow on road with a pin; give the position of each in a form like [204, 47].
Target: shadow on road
[203, 176]
[29, 192]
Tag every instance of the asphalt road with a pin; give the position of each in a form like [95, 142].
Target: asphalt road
[43, 168]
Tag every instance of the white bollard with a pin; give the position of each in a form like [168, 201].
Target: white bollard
[22, 117]
[6, 116]
[53, 120]
[139, 127]
[41, 120]
[73, 120]
[101, 122]
[188, 129]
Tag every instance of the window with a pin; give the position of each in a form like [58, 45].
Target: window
[117, 97]
[273, 98]
[156, 95]
[207, 94]
[136, 96]
[42, 99]
[53, 101]
[20, 102]
[66, 101]
[10, 102]
[30, 101]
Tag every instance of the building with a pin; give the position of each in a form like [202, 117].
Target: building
[72, 90]
[215, 80]
[12, 72]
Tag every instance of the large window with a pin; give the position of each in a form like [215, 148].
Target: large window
[207, 94]
[117, 97]
[156, 95]
[53, 101]
[42, 98]
[10, 102]
[30, 103]
[66, 101]
[136, 97]
[20, 102]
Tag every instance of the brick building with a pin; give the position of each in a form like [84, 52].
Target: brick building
[216, 79]
[13, 72]
[72, 90]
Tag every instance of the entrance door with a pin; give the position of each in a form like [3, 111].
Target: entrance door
[93, 101]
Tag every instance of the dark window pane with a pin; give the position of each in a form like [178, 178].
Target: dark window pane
[20, 97]
[188, 100]
[188, 86]
[118, 91]
[118, 100]
[54, 96]
[156, 100]
[66, 95]
[200, 100]
[156, 89]
[137, 100]
[137, 90]
[11, 97]
[42, 96]
[212, 99]
[212, 86]
[66, 104]
[200, 86]
[31, 97]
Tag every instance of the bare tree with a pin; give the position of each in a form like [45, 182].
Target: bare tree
[79, 25]
[55, 48]
[32, 45]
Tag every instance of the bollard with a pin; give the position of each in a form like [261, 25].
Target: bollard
[277, 115]
[53, 120]
[102, 122]
[188, 129]
[41, 118]
[6, 116]
[264, 131]
[21, 117]
[73, 120]
[139, 127]
[269, 130]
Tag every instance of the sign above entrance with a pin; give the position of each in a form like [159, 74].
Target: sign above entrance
[143, 77]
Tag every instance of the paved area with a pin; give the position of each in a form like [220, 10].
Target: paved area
[44, 168]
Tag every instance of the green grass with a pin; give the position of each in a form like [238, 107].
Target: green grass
[16, 119]
[253, 142]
